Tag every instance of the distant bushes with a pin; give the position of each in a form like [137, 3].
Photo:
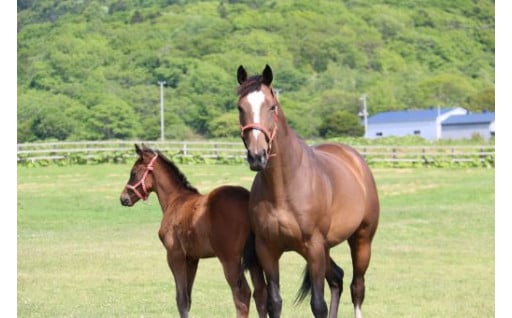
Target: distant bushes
[89, 70]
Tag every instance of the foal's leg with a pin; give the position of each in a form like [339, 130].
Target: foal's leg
[240, 289]
[360, 249]
[334, 276]
[179, 268]
[191, 276]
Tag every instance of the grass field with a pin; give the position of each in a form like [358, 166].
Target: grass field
[81, 254]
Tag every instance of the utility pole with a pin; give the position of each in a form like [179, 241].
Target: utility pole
[364, 114]
[162, 83]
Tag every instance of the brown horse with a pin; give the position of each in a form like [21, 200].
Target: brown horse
[304, 199]
[198, 226]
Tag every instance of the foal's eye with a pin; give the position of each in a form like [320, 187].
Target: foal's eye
[273, 108]
[240, 108]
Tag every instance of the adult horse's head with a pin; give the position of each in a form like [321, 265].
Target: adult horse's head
[258, 108]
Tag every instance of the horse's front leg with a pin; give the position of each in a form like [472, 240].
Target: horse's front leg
[179, 269]
[269, 260]
[316, 258]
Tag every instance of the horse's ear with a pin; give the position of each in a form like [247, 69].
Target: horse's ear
[267, 75]
[241, 74]
[138, 150]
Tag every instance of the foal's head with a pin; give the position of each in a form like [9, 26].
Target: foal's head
[141, 179]
[147, 176]
[258, 108]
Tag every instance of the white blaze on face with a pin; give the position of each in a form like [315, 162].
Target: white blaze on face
[256, 100]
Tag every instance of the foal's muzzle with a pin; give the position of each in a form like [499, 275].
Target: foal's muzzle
[125, 199]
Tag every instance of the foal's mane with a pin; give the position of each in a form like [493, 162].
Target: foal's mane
[174, 169]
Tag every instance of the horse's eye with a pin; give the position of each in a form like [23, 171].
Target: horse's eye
[240, 108]
[273, 108]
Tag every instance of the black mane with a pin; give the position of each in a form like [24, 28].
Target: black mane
[175, 171]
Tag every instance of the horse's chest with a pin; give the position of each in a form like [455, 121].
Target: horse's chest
[276, 224]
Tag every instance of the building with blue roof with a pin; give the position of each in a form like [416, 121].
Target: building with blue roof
[426, 123]
[469, 125]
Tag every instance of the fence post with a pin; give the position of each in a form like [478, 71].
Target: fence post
[54, 152]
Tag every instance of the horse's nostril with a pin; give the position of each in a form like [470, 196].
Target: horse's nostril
[257, 161]
[125, 201]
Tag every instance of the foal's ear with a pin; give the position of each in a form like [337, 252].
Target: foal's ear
[241, 74]
[138, 150]
[267, 75]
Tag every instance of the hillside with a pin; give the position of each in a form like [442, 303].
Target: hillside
[90, 69]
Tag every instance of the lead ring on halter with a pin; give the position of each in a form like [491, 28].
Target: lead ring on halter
[145, 194]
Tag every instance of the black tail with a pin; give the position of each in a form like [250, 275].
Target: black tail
[305, 288]
[249, 258]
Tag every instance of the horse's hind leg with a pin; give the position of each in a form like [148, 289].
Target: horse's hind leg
[239, 287]
[360, 248]
[334, 276]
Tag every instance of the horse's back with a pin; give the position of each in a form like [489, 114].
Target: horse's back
[351, 159]
[228, 196]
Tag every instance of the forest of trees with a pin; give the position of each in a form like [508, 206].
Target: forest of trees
[89, 70]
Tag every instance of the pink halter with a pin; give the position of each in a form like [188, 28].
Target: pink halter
[145, 194]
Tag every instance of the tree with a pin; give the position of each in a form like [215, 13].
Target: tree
[324, 55]
[43, 115]
[341, 123]
[446, 90]
[483, 100]
[225, 126]
[113, 118]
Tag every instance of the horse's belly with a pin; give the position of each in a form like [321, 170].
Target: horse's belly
[343, 224]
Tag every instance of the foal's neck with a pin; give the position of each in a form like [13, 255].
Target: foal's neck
[169, 187]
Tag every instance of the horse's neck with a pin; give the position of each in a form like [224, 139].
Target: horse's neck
[289, 153]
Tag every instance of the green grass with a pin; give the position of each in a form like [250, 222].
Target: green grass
[81, 254]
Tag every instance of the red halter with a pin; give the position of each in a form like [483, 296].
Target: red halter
[145, 194]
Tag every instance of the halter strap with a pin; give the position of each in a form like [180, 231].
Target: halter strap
[269, 135]
[145, 194]
[257, 126]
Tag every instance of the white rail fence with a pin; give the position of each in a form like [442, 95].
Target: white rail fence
[33, 152]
